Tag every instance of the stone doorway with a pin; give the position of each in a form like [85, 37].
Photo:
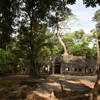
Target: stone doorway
[57, 68]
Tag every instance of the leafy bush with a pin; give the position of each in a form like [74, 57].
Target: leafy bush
[6, 61]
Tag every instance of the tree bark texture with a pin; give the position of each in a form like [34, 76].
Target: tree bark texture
[60, 40]
[96, 91]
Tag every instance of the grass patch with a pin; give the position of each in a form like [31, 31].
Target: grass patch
[5, 83]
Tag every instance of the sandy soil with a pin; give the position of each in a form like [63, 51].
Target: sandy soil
[53, 87]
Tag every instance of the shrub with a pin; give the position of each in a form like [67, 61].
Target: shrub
[6, 61]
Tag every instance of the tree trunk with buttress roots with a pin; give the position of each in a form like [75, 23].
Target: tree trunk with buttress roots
[61, 42]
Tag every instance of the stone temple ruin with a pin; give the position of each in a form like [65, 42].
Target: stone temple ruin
[69, 65]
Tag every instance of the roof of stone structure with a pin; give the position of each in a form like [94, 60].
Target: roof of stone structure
[78, 61]
[71, 58]
[90, 62]
[73, 61]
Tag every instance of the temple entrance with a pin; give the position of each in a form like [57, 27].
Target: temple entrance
[57, 68]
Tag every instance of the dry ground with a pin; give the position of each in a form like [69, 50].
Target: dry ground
[53, 87]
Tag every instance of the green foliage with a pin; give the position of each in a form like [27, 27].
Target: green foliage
[41, 44]
[38, 10]
[44, 9]
[6, 60]
[91, 3]
[96, 18]
[78, 44]
[8, 12]
[34, 41]
[81, 50]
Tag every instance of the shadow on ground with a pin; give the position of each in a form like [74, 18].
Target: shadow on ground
[48, 88]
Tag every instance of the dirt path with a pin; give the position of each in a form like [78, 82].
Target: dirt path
[53, 87]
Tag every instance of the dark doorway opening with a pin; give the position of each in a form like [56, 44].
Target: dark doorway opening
[75, 69]
[90, 70]
[57, 68]
[80, 69]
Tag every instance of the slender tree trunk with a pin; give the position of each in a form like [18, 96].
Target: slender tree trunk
[60, 40]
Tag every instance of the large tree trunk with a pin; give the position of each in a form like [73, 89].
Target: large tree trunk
[60, 40]
[96, 91]
[32, 69]
[98, 49]
[97, 83]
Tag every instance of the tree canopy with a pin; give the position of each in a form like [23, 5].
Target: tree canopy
[12, 10]
[30, 20]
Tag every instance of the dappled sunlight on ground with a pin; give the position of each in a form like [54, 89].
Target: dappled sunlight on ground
[53, 87]
[87, 83]
[40, 96]
[54, 84]
[74, 82]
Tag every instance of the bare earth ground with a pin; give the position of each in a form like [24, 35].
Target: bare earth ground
[53, 87]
